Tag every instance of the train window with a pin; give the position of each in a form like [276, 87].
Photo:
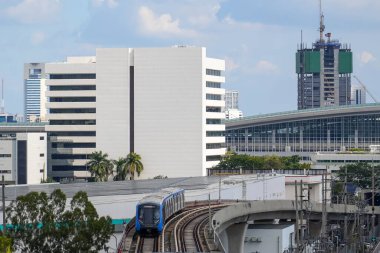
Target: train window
[149, 214]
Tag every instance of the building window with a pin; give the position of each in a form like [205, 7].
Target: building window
[68, 168]
[5, 172]
[42, 171]
[213, 72]
[212, 158]
[213, 121]
[42, 155]
[42, 138]
[73, 145]
[73, 110]
[72, 99]
[214, 145]
[5, 155]
[215, 133]
[213, 109]
[73, 122]
[68, 156]
[78, 133]
[72, 87]
[72, 76]
[213, 85]
[213, 97]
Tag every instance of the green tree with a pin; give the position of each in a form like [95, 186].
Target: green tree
[44, 224]
[273, 162]
[122, 170]
[360, 174]
[134, 164]
[99, 166]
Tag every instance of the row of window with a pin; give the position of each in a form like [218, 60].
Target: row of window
[72, 76]
[215, 133]
[214, 145]
[5, 155]
[213, 84]
[5, 172]
[212, 158]
[73, 87]
[68, 168]
[69, 156]
[74, 110]
[77, 133]
[213, 121]
[213, 109]
[72, 99]
[213, 97]
[73, 145]
[73, 122]
[213, 72]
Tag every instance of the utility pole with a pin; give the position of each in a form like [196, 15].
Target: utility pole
[345, 210]
[297, 219]
[209, 214]
[3, 199]
[301, 213]
[373, 203]
[220, 186]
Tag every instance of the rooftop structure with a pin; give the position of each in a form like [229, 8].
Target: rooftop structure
[34, 92]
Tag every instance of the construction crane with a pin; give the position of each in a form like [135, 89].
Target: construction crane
[366, 90]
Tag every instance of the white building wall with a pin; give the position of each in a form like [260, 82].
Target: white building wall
[169, 111]
[36, 156]
[271, 239]
[112, 101]
[8, 162]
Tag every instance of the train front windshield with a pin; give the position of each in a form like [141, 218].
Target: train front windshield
[149, 214]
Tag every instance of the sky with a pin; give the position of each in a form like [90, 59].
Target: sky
[257, 38]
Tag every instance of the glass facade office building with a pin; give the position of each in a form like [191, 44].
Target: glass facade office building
[326, 129]
[34, 74]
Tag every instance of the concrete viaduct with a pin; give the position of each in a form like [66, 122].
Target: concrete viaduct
[230, 223]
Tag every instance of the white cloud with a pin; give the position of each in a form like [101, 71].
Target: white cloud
[38, 38]
[205, 15]
[245, 25]
[161, 25]
[265, 67]
[108, 3]
[366, 57]
[34, 11]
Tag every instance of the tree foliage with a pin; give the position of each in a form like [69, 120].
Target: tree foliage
[243, 161]
[122, 169]
[134, 164]
[42, 223]
[100, 166]
[360, 174]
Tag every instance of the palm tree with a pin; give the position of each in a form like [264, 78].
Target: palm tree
[122, 169]
[134, 164]
[99, 166]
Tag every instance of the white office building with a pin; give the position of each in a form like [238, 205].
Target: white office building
[165, 104]
[23, 153]
[34, 92]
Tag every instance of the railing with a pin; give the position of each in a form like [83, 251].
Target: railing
[214, 172]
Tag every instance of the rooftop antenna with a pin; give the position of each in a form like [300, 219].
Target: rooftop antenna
[321, 22]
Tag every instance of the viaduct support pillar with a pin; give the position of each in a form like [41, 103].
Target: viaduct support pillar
[236, 235]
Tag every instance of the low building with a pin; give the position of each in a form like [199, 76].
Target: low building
[269, 238]
[23, 153]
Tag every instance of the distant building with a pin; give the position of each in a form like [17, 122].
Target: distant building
[34, 92]
[152, 101]
[326, 137]
[23, 158]
[233, 114]
[232, 99]
[324, 72]
[232, 105]
[358, 95]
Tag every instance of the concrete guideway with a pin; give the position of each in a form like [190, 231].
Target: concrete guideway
[230, 223]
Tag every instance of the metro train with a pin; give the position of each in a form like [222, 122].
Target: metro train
[154, 210]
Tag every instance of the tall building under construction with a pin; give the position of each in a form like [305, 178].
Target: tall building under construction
[324, 72]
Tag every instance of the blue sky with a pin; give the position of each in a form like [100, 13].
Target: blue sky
[257, 38]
